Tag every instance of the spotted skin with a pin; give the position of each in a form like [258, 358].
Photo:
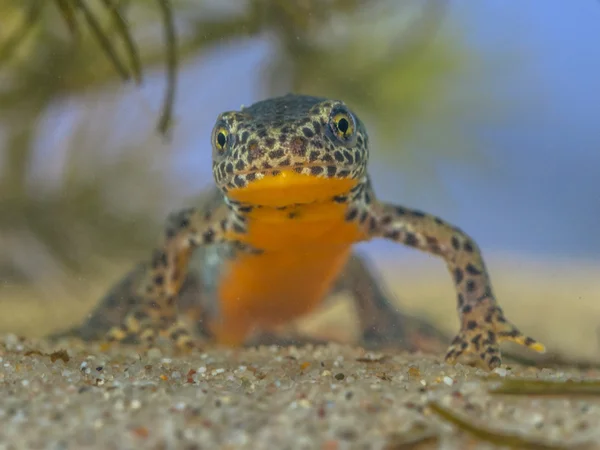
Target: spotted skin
[296, 197]
[382, 324]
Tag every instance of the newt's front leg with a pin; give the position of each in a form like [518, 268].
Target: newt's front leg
[156, 314]
[483, 324]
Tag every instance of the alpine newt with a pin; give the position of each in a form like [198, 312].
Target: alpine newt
[292, 196]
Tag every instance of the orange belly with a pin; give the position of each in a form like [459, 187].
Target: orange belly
[305, 242]
[263, 291]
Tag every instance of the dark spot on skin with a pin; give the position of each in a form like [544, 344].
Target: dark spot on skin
[491, 339]
[339, 157]
[461, 300]
[363, 217]
[340, 199]
[307, 132]
[400, 211]
[372, 224]
[467, 309]
[262, 133]
[458, 275]
[208, 237]
[270, 143]
[494, 361]
[472, 270]
[471, 285]
[476, 341]
[250, 176]
[245, 137]
[239, 165]
[529, 341]
[411, 239]
[245, 209]
[317, 126]
[418, 214]
[455, 243]
[471, 325]
[512, 333]
[386, 220]
[316, 170]
[393, 235]
[292, 215]
[184, 223]
[438, 221]
[348, 156]
[351, 214]
[276, 154]
[238, 228]
[159, 280]
[468, 246]
[239, 181]
[171, 300]
[313, 156]
[331, 171]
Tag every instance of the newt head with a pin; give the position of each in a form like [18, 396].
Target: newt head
[289, 150]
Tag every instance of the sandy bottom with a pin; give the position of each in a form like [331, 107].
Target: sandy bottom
[330, 397]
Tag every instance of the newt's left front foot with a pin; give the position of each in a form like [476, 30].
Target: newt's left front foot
[483, 327]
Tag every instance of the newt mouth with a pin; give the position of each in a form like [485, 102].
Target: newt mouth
[311, 168]
[285, 186]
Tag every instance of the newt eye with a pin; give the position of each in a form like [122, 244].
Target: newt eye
[221, 138]
[342, 124]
